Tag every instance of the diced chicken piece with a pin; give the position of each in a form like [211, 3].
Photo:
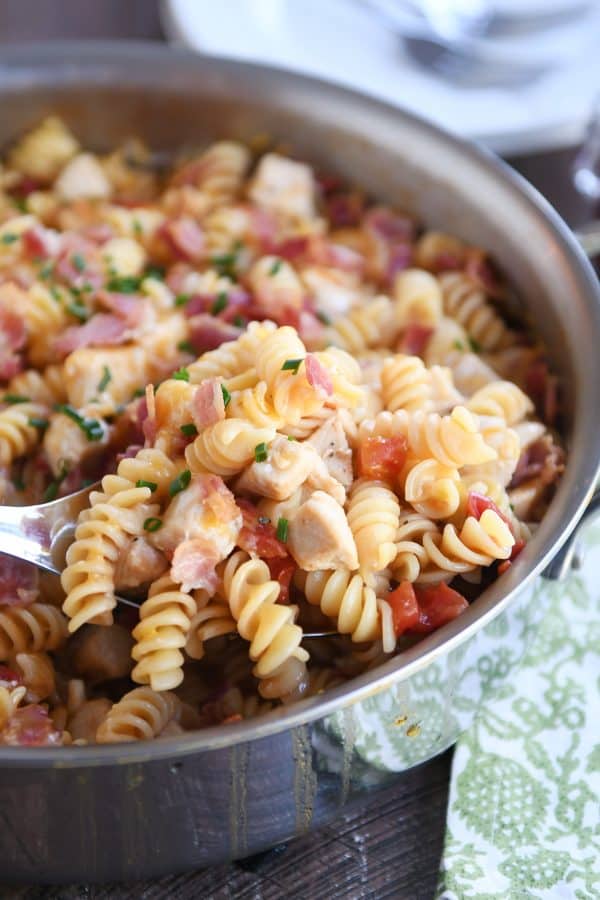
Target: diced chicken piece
[139, 563]
[66, 444]
[124, 256]
[43, 152]
[289, 464]
[83, 724]
[445, 395]
[85, 368]
[331, 444]
[332, 291]
[471, 373]
[199, 530]
[101, 653]
[83, 176]
[284, 187]
[319, 536]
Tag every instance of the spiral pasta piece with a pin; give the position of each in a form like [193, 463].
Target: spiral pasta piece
[467, 303]
[405, 384]
[212, 619]
[37, 672]
[373, 515]
[232, 357]
[280, 362]
[478, 543]
[434, 490]
[44, 317]
[347, 600]
[165, 619]
[254, 405]
[365, 326]
[30, 629]
[501, 399]
[104, 531]
[218, 172]
[46, 387]
[226, 447]
[418, 298]
[453, 440]
[140, 715]
[269, 626]
[411, 556]
[10, 700]
[18, 436]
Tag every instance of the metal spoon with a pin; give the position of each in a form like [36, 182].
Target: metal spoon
[41, 534]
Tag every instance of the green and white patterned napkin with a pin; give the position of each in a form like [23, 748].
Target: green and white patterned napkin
[524, 805]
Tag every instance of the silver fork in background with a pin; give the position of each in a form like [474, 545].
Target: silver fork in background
[458, 58]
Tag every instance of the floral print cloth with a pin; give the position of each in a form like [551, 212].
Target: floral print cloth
[524, 805]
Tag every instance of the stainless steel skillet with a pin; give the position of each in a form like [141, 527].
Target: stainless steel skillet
[139, 810]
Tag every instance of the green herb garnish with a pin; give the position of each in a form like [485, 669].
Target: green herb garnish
[275, 267]
[239, 321]
[458, 345]
[78, 262]
[180, 483]
[291, 365]
[124, 284]
[186, 347]
[189, 430]
[261, 452]
[152, 523]
[182, 299]
[323, 317]
[9, 238]
[51, 491]
[181, 374]
[149, 484]
[78, 310]
[36, 422]
[105, 380]
[92, 428]
[475, 345]
[220, 304]
[15, 398]
[226, 395]
[282, 530]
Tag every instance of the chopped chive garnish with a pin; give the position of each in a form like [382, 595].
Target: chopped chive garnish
[180, 483]
[224, 263]
[239, 321]
[282, 530]
[78, 262]
[137, 227]
[18, 483]
[91, 427]
[46, 270]
[15, 398]
[124, 284]
[220, 304]
[263, 520]
[458, 345]
[261, 452]
[182, 299]
[323, 317]
[36, 422]
[186, 347]
[291, 437]
[152, 524]
[139, 392]
[475, 345]
[275, 267]
[189, 430]
[226, 395]
[105, 380]
[51, 491]
[55, 294]
[78, 310]
[149, 484]
[9, 238]
[157, 272]
[20, 203]
[181, 374]
[291, 365]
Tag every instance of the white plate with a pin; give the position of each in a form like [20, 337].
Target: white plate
[342, 41]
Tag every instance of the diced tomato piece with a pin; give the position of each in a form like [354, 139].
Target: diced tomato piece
[405, 609]
[258, 535]
[506, 564]
[438, 605]
[477, 505]
[282, 570]
[382, 457]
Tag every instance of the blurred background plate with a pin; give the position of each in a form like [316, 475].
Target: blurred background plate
[344, 41]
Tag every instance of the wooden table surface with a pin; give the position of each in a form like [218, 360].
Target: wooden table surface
[390, 846]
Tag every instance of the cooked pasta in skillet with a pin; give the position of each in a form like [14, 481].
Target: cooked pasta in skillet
[307, 412]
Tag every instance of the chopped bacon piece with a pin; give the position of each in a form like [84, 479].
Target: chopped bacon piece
[481, 271]
[18, 582]
[149, 420]
[542, 459]
[317, 375]
[237, 301]
[477, 505]
[282, 570]
[207, 332]
[185, 238]
[292, 248]
[257, 535]
[446, 261]
[382, 457]
[389, 225]
[194, 565]
[130, 307]
[9, 678]
[400, 258]
[208, 405]
[30, 726]
[101, 330]
[79, 263]
[176, 276]
[405, 609]
[344, 210]
[309, 328]
[414, 340]
[133, 449]
[99, 232]
[438, 604]
[542, 387]
[41, 243]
